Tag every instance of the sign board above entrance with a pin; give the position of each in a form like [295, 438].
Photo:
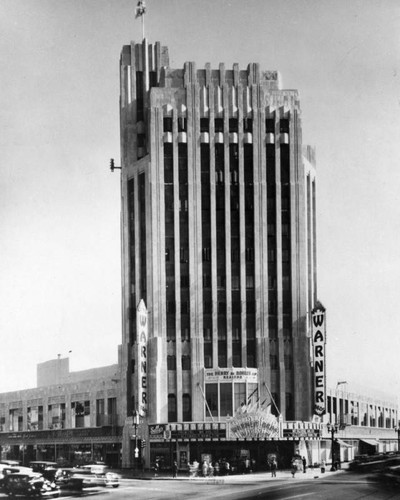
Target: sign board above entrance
[231, 374]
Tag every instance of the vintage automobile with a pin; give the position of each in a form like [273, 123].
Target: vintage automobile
[6, 469]
[103, 475]
[29, 484]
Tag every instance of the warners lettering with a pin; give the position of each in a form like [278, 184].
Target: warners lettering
[142, 358]
[319, 342]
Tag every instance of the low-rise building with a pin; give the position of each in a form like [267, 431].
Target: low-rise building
[70, 417]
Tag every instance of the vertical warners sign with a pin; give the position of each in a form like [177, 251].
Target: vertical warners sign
[142, 334]
[318, 320]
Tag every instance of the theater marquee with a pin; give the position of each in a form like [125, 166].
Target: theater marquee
[318, 323]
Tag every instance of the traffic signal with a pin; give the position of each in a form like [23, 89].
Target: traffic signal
[112, 164]
[143, 443]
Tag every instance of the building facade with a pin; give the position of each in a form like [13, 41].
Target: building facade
[70, 417]
[219, 250]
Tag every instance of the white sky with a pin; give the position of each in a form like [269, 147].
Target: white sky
[59, 203]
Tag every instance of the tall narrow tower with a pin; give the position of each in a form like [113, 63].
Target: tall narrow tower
[218, 232]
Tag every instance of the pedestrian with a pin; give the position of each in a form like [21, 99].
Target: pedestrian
[323, 467]
[204, 468]
[294, 467]
[216, 468]
[227, 467]
[174, 469]
[304, 464]
[273, 466]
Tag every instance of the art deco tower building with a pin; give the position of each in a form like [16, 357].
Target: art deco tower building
[218, 231]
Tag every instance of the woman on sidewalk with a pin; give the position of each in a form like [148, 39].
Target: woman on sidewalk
[274, 466]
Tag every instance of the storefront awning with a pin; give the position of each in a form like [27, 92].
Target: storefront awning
[344, 444]
[371, 442]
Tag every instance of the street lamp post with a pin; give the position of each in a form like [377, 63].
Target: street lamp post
[333, 429]
[136, 421]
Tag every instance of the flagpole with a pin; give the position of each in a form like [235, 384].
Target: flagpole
[142, 26]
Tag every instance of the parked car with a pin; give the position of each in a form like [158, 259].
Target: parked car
[30, 484]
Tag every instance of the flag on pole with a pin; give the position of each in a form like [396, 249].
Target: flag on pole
[140, 9]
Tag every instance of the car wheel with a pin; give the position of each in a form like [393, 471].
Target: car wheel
[115, 485]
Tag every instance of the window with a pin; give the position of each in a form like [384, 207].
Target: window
[235, 282]
[186, 362]
[207, 335]
[270, 126]
[273, 361]
[239, 396]
[206, 254]
[185, 334]
[212, 400]
[100, 413]
[16, 419]
[184, 281]
[247, 125]
[225, 400]
[186, 408]
[233, 125]
[172, 412]
[219, 125]
[182, 124]
[171, 362]
[171, 336]
[249, 281]
[56, 416]
[204, 125]
[80, 411]
[167, 124]
[34, 418]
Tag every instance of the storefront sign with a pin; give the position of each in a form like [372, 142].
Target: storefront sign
[225, 374]
[302, 433]
[318, 331]
[142, 329]
[259, 423]
[156, 431]
[188, 432]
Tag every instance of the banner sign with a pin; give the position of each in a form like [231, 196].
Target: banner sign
[259, 423]
[237, 374]
[318, 331]
[142, 335]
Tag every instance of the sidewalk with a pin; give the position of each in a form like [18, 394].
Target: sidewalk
[234, 478]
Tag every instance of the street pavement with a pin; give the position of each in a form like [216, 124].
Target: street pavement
[311, 473]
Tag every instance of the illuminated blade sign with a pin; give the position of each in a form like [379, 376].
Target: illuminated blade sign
[318, 322]
[142, 335]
